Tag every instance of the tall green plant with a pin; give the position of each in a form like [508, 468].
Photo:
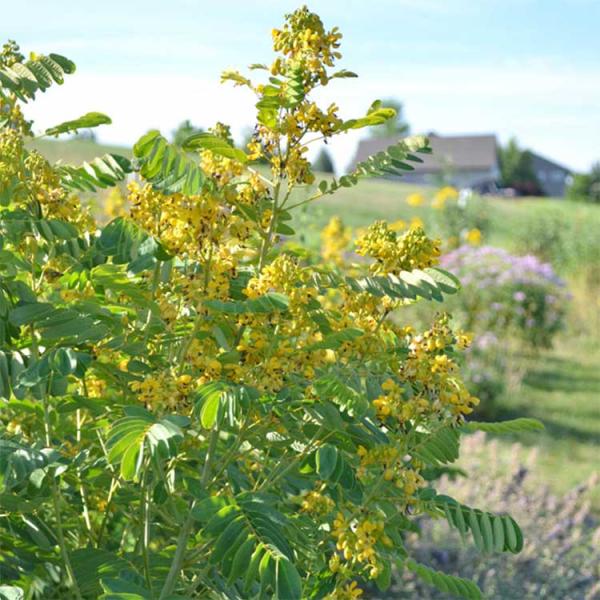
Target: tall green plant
[189, 408]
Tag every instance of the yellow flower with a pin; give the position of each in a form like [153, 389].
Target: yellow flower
[415, 199]
[398, 225]
[416, 222]
[443, 195]
[335, 237]
[473, 237]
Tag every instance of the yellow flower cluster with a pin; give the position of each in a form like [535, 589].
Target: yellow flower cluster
[203, 356]
[307, 45]
[335, 238]
[309, 117]
[10, 111]
[44, 187]
[223, 170]
[392, 403]
[286, 276]
[11, 149]
[163, 391]
[393, 253]
[296, 167]
[316, 503]
[349, 591]
[357, 541]
[114, 204]
[434, 374]
[386, 461]
[382, 457]
[182, 224]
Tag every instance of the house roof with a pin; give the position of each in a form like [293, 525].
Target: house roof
[459, 152]
[541, 162]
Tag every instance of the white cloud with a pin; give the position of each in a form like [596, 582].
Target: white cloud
[549, 107]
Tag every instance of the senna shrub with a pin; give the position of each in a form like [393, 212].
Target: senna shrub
[192, 408]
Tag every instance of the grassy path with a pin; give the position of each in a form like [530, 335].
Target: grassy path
[562, 389]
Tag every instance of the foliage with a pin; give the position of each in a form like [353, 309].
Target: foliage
[516, 170]
[485, 368]
[323, 162]
[396, 127]
[192, 407]
[503, 292]
[561, 556]
[586, 186]
[183, 131]
[461, 218]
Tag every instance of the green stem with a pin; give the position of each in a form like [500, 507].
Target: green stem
[186, 528]
[82, 492]
[53, 487]
[145, 499]
[266, 243]
[56, 504]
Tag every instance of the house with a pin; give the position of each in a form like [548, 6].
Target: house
[466, 161]
[552, 177]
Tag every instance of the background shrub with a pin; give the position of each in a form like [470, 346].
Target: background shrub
[502, 292]
[561, 558]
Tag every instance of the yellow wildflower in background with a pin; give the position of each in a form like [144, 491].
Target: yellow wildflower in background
[398, 225]
[335, 237]
[443, 195]
[415, 199]
[416, 222]
[114, 205]
[473, 237]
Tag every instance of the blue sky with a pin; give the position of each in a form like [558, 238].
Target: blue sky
[527, 68]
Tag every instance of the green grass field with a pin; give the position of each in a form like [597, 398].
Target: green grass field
[74, 151]
[561, 386]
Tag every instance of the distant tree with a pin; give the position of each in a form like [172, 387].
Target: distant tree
[323, 162]
[586, 186]
[395, 127]
[88, 135]
[516, 169]
[183, 131]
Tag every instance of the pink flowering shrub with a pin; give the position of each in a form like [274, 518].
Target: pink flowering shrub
[503, 292]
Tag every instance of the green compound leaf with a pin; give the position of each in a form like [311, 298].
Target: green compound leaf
[264, 304]
[512, 426]
[439, 447]
[490, 532]
[250, 543]
[431, 283]
[91, 564]
[331, 387]
[209, 398]
[335, 340]
[217, 145]
[35, 75]
[100, 173]
[395, 161]
[457, 586]
[376, 115]
[137, 432]
[166, 167]
[91, 119]
[326, 459]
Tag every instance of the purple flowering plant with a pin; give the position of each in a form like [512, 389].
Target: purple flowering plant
[503, 292]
